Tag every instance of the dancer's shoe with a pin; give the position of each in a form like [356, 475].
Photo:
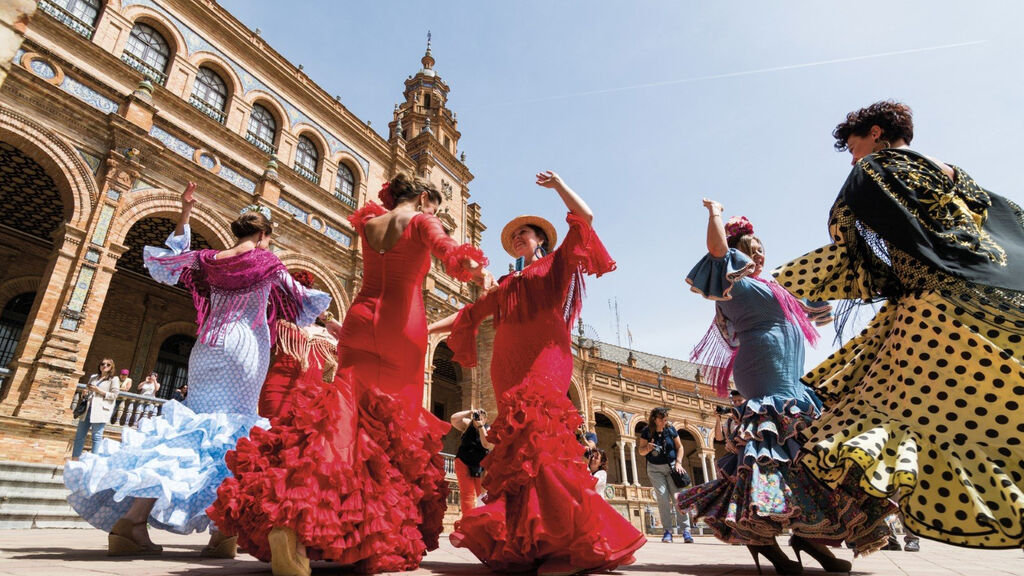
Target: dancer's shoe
[821, 554]
[122, 542]
[777, 557]
[285, 559]
[221, 546]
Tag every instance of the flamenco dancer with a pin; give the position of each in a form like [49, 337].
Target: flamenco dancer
[758, 339]
[541, 509]
[302, 356]
[367, 489]
[166, 473]
[925, 404]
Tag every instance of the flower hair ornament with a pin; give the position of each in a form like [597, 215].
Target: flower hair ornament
[256, 208]
[738, 226]
[387, 198]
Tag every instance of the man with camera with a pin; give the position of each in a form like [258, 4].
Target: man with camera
[725, 429]
[472, 449]
[659, 443]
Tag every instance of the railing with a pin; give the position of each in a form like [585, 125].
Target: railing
[260, 143]
[129, 409]
[68, 19]
[449, 465]
[205, 108]
[148, 71]
[344, 197]
[307, 174]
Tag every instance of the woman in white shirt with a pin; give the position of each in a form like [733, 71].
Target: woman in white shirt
[149, 386]
[103, 386]
[597, 463]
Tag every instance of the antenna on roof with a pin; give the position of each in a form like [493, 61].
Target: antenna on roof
[613, 307]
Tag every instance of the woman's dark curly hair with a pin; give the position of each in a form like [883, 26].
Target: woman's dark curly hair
[406, 187]
[896, 120]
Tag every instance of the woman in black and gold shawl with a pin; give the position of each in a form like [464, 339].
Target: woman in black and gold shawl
[925, 404]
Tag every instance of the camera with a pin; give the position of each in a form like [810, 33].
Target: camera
[655, 450]
[476, 415]
[723, 409]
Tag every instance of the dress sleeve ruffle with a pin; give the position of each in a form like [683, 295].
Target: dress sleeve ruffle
[713, 278]
[462, 339]
[165, 265]
[369, 210]
[452, 254]
[584, 248]
[455, 257]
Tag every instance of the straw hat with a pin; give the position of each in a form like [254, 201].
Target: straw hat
[519, 222]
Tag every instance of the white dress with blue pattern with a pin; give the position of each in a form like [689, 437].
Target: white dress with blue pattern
[178, 458]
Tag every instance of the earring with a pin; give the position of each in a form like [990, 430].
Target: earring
[419, 207]
[881, 145]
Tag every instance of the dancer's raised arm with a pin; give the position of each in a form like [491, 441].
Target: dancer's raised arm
[187, 202]
[572, 200]
[717, 245]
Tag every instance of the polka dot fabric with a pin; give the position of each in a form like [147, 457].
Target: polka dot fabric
[925, 403]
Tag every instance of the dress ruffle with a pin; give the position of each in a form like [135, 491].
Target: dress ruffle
[536, 462]
[356, 489]
[713, 277]
[588, 252]
[762, 492]
[369, 210]
[176, 458]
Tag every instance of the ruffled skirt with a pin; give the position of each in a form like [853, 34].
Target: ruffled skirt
[360, 480]
[540, 503]
[176, 458]
[761, 492]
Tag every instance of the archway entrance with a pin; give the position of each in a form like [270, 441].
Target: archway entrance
[446, 394]
[12, 323]
[172, 363]
[691, 459]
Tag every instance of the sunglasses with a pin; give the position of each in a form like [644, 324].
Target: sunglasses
[104, 363]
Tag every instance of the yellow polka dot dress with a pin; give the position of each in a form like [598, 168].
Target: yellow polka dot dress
[925, 404]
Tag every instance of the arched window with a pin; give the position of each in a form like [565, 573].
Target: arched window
[172, 363]
[78, 15]
[306, 159]
[12, 322]
[147, 52]
[262, 129]
[210, 94]
[345, 185]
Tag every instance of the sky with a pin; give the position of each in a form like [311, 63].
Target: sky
[645, 107]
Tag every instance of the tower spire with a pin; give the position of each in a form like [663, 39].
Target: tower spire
[428, 59]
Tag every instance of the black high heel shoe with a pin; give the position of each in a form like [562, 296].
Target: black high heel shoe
[777, 557]
[821, 554]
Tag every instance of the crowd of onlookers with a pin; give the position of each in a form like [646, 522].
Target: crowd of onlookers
[98, 405]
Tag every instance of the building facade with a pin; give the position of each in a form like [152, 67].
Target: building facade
[108, 109]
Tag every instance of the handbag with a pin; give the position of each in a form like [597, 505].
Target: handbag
[83, 405]
[680, 480]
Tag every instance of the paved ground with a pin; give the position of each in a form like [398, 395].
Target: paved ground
[82, 553]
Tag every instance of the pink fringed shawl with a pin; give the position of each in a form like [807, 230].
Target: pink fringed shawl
[235, 279]
[717, 349]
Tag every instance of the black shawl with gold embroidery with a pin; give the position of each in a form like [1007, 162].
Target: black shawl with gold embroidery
[953, 226]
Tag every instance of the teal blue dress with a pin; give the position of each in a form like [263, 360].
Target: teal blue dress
[761, 491]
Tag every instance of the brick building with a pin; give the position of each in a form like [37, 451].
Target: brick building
[108, 109]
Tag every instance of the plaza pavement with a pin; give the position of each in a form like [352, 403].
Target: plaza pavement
[83, 553]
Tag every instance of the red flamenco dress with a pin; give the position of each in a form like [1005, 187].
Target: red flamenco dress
[353, 466]
[541, 506]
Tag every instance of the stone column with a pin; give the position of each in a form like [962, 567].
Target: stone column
[704, 465]
[633, 456]
[622, 460]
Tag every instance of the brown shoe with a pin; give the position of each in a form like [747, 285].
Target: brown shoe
[122, 542]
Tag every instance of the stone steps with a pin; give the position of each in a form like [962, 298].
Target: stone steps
[34, 496]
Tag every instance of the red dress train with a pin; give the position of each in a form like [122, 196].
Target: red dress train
[354, 465]
[540, 503]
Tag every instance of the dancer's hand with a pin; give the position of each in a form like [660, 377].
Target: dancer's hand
[714, 208]
[186, 196]
[549, 179]
[483, 278]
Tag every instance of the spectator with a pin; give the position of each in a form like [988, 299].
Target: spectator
[725, 429]
[472, 449]
[659, 443]
[149, 386]
[102, 394]
[181, 393]
[598, 466]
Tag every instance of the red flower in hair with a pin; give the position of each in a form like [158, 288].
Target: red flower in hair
[738, 226]
[387, 199]
[303, 277]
